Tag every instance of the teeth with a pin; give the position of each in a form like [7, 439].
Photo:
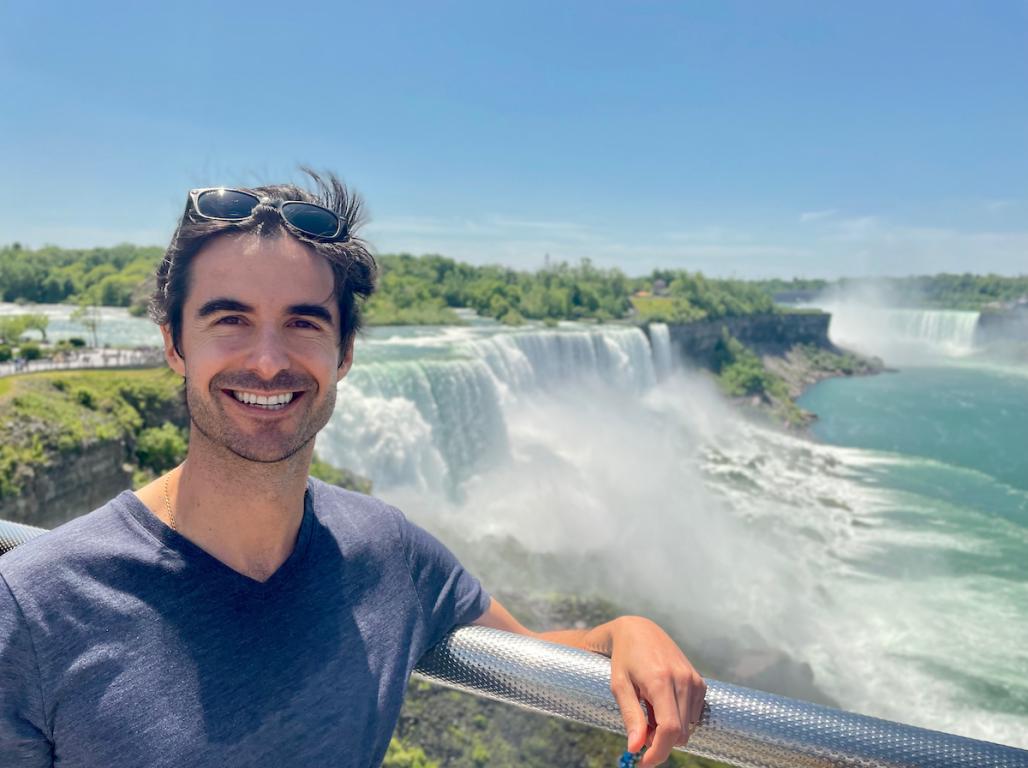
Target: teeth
[273, 402]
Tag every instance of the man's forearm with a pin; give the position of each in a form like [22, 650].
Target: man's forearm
[599, 639]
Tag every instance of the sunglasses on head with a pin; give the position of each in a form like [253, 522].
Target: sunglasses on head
[237, 204]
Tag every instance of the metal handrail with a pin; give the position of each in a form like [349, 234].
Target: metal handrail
[739, 726]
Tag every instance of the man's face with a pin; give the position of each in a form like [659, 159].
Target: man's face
[260, 345]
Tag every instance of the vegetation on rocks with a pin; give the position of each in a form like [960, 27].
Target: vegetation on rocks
[772, 382]
[46, 414]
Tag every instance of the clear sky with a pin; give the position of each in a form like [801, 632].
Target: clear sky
[739, 138]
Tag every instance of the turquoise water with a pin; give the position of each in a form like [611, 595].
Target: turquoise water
[947, 448]
[967, 417]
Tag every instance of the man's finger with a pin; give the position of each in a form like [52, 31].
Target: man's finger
[632, 711]
[699, 693]
[670, 729]
[684, 698]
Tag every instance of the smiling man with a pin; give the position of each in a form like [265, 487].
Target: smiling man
[236, 611]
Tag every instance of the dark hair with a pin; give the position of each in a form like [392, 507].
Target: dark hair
[353, 267]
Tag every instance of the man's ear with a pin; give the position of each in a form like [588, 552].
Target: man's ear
[175, 361]
[347, 359]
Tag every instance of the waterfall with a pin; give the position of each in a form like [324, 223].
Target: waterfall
[433, 417]
[903, 335]
[660, 340]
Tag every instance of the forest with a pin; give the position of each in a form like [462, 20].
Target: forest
[418, 290]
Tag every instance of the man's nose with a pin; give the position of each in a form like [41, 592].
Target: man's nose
[269, 353]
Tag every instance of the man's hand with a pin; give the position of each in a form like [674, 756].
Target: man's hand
[645, 664]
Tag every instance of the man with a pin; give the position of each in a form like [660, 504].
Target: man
[236, 611]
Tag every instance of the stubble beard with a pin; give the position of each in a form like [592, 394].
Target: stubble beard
[207, 415]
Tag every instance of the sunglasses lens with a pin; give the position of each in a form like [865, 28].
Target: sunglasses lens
[226, 204]
[311, 219]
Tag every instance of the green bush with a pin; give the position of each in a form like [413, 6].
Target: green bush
[5, 353]
[740, 371]
[161, 448]
[85, 396]
[399, 755]
[31, 351]
[77, 341]
[325, 472]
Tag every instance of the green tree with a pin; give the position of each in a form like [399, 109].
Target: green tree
[37, 322]
[12, 327]
[87, 314]
[161, 448]
[30, 351]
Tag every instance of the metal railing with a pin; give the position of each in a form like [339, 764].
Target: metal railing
[739, 726]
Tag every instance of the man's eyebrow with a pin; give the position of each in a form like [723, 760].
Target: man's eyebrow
[222, 305]
[310, 310]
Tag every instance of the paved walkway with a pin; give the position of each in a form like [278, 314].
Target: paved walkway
[90, 358]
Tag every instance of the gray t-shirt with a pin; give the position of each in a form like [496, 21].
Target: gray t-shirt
[124, 644]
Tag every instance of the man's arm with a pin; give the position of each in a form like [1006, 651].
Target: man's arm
[645, 664]
[22, 738]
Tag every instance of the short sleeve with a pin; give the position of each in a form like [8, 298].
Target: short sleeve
[23, 740]
[449, 595]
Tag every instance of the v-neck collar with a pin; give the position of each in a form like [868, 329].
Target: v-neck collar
[194, 556]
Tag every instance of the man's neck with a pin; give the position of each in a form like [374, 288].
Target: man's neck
[246, 514]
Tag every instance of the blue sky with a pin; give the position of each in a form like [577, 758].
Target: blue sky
[738, 138]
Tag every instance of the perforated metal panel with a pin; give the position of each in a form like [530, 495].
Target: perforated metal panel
[739, 726]
[13, 534]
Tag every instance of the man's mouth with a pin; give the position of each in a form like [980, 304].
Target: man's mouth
[265, 402]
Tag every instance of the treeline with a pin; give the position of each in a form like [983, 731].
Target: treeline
[115, 276]
[946, 291]
[411, 288]
[428, 289]
[411, 291]
[942, 291]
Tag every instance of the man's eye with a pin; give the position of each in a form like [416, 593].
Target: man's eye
[307, 324]
[229, 320]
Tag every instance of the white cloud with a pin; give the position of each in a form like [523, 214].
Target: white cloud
[808, 216]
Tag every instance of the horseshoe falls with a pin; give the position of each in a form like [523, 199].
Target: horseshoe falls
[902, 335]
[866, 568]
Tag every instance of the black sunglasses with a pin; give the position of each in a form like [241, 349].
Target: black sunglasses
[237, 204]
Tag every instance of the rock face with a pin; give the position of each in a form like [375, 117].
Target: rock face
[770, 334]
[1002, 326]
[73, 485]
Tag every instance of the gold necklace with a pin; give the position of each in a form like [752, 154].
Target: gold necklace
[167, 503]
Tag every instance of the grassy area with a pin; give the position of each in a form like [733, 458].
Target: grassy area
[665, 309]
[44, 415]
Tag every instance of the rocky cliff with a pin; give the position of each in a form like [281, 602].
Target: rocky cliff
[70, 485]
[770, 334]
[1000, 326]
[765, 361]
